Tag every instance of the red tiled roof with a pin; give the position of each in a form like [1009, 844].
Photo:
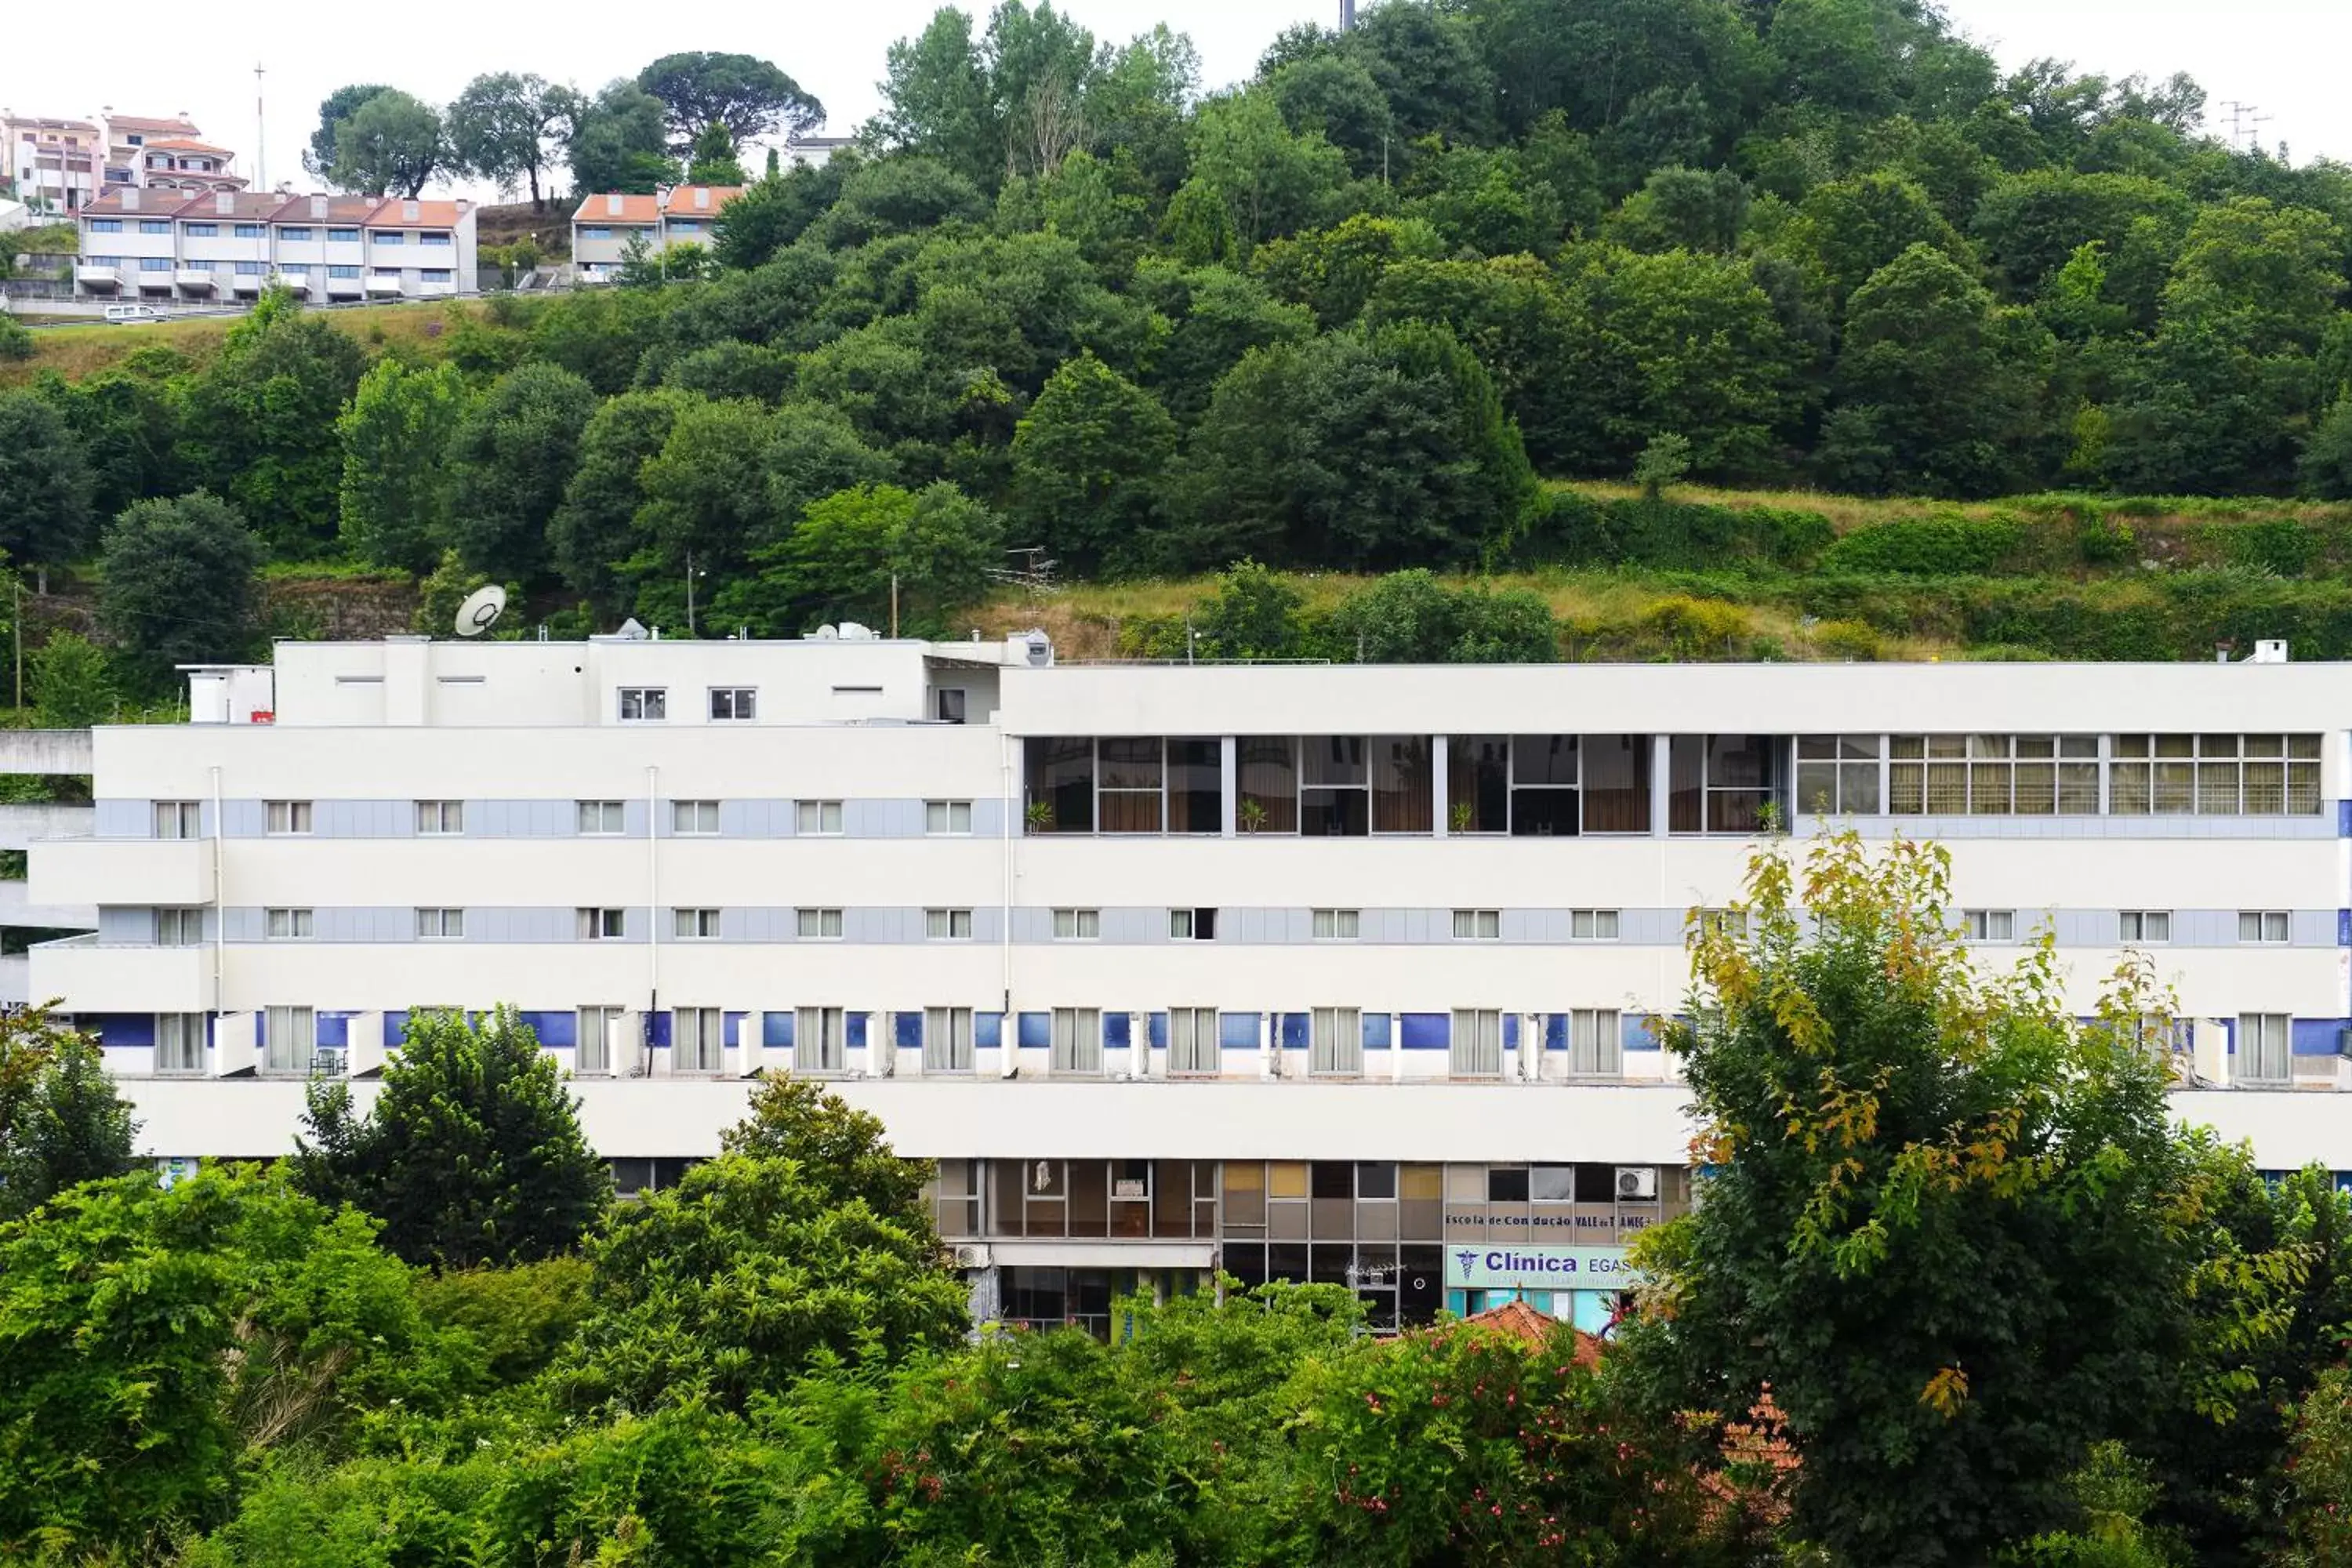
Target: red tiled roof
[185, 144]
[1523, 1322]
[394, 214]
[682, 202]
[339, 209]
[141, 124]
[244, 206]
[614, 207]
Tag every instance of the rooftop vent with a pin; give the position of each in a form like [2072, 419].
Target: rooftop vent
[613, 206]
[2269, 650]
[224, 203]
[701, 196]
[319, 206]
[410, 212]
[130, 198]
[1031, 648]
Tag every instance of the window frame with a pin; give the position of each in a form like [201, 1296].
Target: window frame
[441, 818]
[1343, 925]
[435, 923]
[601, 922]
[1477, 920]
[821, 811]
[286, 818]
[189, 1055]
[688, 818]
[939, 818]
[2132, 927]
[299, 924]
[1187, 1057]
[939, 925]
[184, 916]
[1085, 924]
[2265, 922]
[950, 1041]
[810, 923]
[824, 1049]
[694, 923]
[652, 704]
[590, 818]
[1466, 1053]
[186, 818]
[742, 702]
[1596, 1043]
[1594, 920]
[710, 1031]
[2281, 1049]
[1195, 924]
[1990, 926]
[1335, 1042]
[602, 1016]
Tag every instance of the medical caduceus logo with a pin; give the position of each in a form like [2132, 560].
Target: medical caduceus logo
[1466, 1258]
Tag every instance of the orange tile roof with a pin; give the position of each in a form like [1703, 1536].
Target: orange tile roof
[394, 214]
[681, 202]
[183, 144]
[244, 206]
[141, 123]
[601, 208]
[1523, 1322]
[339, 209]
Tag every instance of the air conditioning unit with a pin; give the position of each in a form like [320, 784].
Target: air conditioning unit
[971, 1256]
[1637, 1183]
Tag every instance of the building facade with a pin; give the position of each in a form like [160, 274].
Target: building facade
[1341, 972]
[605, 227]
[225, 245]
[56, 164]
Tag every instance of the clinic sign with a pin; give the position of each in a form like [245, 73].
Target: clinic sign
[1538, 1268]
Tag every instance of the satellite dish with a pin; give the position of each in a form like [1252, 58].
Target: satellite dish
[481, 610]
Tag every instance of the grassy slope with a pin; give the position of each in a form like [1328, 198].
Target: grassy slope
[81, 351]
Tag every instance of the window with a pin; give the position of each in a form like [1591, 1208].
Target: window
[2261, 925]
[1076, 1038]
[1596, 1043]
[695, 925]
[603, 925]
[947, 925]
[154, 264]
[289, 1040]
[1838, 775]
[1721, 783]
[643, 704]
[1077, 925]
[295, 236]
[435, 274]
[2218, 775]
[1267, 766]
[818, 925]
[1335, 788]
[154, 226]
[1192, 925]
[820, 1040]
[107, 225]
[684, 225]
[246, 231]
[947, 1039]
[815, 817]
[432, 240]
[2147, 925]
[179, 928]
[288, 816]
[179, 819]
[2262, 1054]
[440, 925]
[1338, 925]
[693, 818]
[1479, 925]
[1993, 776]
[949, 705]
[734, 704]
[1335, 1042]
[1732, 923]
[592, 1039]
[1990, 925]
[179, 1042]
[602, 818]
[389, 237]
[287, 925]
[342, 271]
[595, 231]
[698, 1039]
[1194, 1042]
[1592, 925]
[203, 231]
[947, 817]
[437, 818]
[1476, 1049]
[250, 268]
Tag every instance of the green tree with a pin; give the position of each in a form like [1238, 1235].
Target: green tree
[502, 128]
[260, 423]
[843, 1151]
[746, 96]
[61, 1122]
[1901, 1148]
[510, 460]
[618, 141]
[936, 544]
[898, 195]
[1253, 615]
[391, 144]
[590, 533]
[182, 585]
[319, 153]
[129, 426]
[1853, 227]
[471, 1154]
[2319, 1527]
[156, 1341]
[937, 100]
[2327, 463]
[1218, 316]
[15, 339]
[45, 483]
[706, 499]
[775, 212]
[395, 433]
[73, 686]
[1270, 181]
[1334, 96]
[1569, 386]
[1087, 461]
[1333, 271]
[712, 162]
[1410, 617]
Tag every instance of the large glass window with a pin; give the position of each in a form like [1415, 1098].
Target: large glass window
[1838, 775]
[1546, 786]
[697, 1039]
[1077, 1040]
[1993, 776]
[2261, 1055]
[1336, 1042]
[1596, 1043]
[591, 1050]
[1401, 800]
[1334, 793]
[1131, 786]
[1476, 1049]
[1061, 784]
[2218, 775]
[1722, 784]
[289, 1037]
[1544, 778]
[946, 1042]
[179, 1042]
[1193, 1044]
[820, 1040]
[1479, 784]
[1269, 784]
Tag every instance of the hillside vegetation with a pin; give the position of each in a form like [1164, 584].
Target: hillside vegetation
[1348, 316]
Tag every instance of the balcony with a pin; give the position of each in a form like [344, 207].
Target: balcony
[246, 283]
[343, 289]
[17, 909]
[384, 288]
[170, 871]
[437, 290]
[194, 279]
[106, 277]
[21, 826]
[122, 978]
[297, 280]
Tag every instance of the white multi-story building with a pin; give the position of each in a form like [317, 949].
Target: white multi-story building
[1329, 972]
[606, 226]
[230, 245]
[56, 164]
[127, 137]
[420, 250]
[321, 245]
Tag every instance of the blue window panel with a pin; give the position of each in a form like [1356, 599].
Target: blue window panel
[1156, 1031]
[1376, 1031]
[1237, 1031]
[2314, 1036]
[1036, 1031]
[987, 1031]
[657, 1031]
[342, 235]
[776, 1031]
[1633, 1033]
[395, 1028]
[858, 1031]
[121, 1028]
[1114, 1031]
[332, 1030]
[1294, 1031]
[558, 1030]
[2343, 928]
[731, 1028]
[1427, 1031]
[106, 225]
[1510, 1031]
[907, 1030]
[2344, 819]
[1555, 1031]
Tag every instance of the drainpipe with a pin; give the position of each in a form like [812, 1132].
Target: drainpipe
[220, 900]
[653, 907]
[1008, 1039]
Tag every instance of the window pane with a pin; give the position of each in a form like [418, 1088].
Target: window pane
[1401, 785]
[1196, 787]
[1061, 778]
[1269, 784]
[1477, 776]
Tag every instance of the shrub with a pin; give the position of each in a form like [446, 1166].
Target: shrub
[1927, 547]
[1848, 640]
[1696, 629]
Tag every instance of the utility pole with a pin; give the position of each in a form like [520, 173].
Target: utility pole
[894, 606]
[18, 627]
[689, 593]
[260, 152]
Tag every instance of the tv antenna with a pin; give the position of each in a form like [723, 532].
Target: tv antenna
[2246, 122]
[1030, 568]
[480, 611]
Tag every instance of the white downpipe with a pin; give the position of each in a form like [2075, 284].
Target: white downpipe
[1008, 1029]
[652, 905]
[220, 900]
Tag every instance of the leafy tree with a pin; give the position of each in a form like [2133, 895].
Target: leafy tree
[510, 460]
[1333, 271]
[590, 533]
[1566, 383]
[1902, 1148]
[260, 426]
[706, 497]
[936, 544]
[471, 1154]
[1270, 181]
[45, 483]
[1086, 460]
[2318, 1525]
[1664, 461]
[501, 128]
[1678, 209]
[396, 434]
[129, 426]
[1410, 617]
[73, 688]
[1218, 316]
[843, 1151]
[2327, 465]
[775, 212]
[1428, 66]
[1253, 615]
[1334, 96]
[158, 1339]
[937, 100]
[712, 162]
[2031, 224]
[618, 141]
[1853, 227]
[61, 1123]
[1541, 53]
[898, 195]
[319, 153]
[391, 144]
[16, 338]
[746, 96]
[182, 585]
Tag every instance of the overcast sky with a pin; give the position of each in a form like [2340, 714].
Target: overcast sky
[2285, 57]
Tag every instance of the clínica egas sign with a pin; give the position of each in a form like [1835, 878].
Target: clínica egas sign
[1473, 1268]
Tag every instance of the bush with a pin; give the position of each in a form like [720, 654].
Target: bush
[1927, 547]
[15, 341]
[1696, 628]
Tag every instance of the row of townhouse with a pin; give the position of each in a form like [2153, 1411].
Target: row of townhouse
[1332, 973]
[68, 164]
[607, 226]
[222, 245]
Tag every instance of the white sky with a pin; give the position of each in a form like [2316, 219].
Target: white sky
[2285, 56]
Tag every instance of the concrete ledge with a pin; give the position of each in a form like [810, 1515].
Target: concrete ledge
[45, 752]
